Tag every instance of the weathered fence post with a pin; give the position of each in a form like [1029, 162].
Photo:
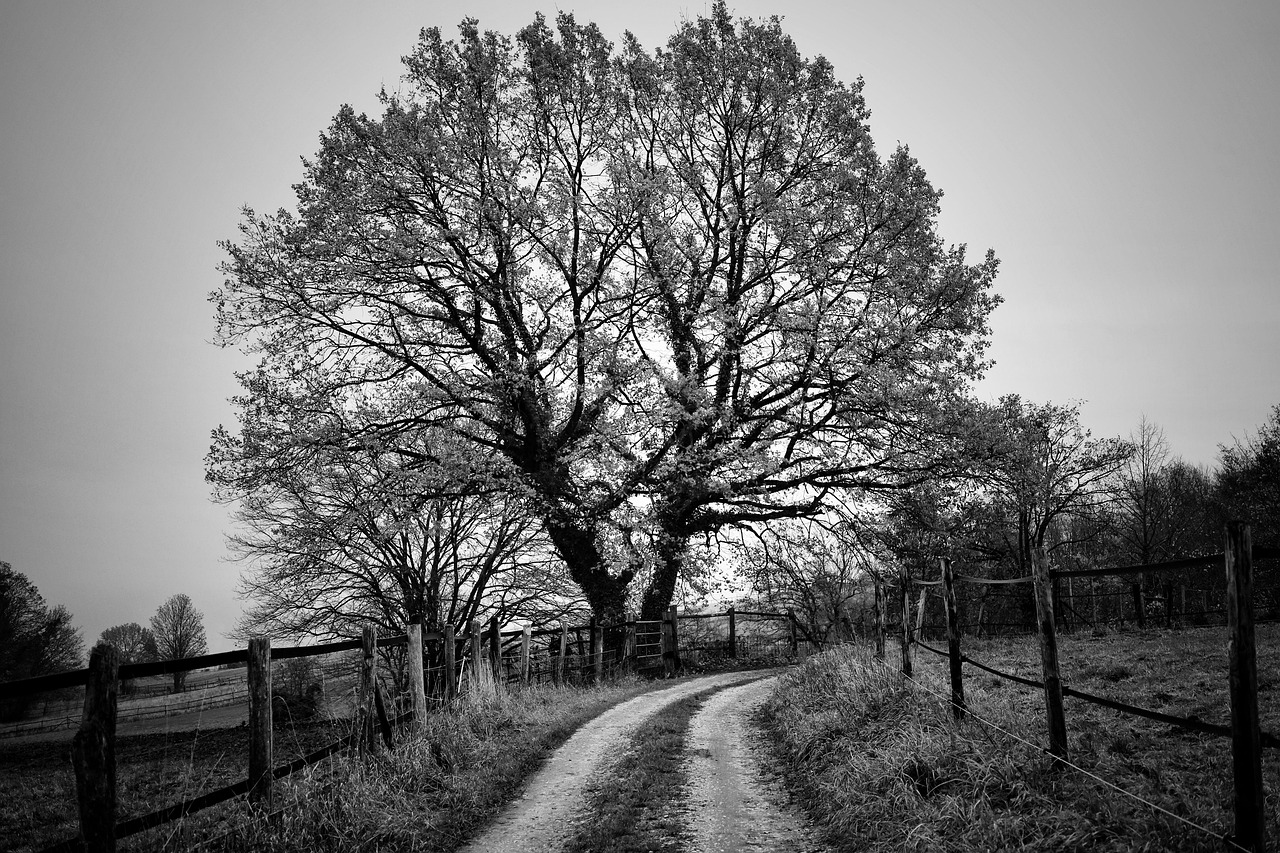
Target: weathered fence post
[562, 662]
[629, 650]
[417, 678]
[365, 711]
[1246, 739]
[671, 642]
[733, 633]
[880, 620]
[495, 649]
[1049, 654]
[93, 752]
[794, 634]
[597, 650]
[259, 675]
[953, 639]
[920, 603]
[904, 580]
[450, 649]
[475, 650]
[526, 647]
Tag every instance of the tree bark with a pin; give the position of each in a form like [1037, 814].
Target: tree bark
[578, 546]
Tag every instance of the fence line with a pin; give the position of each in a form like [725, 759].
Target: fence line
[448, 662]
[1247, 739]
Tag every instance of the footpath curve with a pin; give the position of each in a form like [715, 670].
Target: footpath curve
[722, 764]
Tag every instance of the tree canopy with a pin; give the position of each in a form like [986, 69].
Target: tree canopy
[645, 295]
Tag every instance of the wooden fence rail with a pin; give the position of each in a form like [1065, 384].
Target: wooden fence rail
[490, 652]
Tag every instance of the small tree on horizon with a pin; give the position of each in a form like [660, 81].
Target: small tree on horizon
[179, 633]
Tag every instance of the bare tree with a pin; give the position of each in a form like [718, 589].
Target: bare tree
[179, 633]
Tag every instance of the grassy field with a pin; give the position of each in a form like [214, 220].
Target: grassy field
[879, 761]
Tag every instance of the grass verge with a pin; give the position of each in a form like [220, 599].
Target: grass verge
[429, 794]
[880, 763]
[631, 812]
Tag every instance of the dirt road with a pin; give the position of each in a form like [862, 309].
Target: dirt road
[734, 802]
[727, 788]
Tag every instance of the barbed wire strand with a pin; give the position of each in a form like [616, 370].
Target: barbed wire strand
[1221, 836]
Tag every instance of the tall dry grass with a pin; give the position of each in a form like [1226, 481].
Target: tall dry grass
[880, 762]
[431, 792]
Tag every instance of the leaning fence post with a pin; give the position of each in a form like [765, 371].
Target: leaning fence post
[1246, 746]
[920, 608]
[953, 638]
[629, 651]
[1049, 654]
[93, 752]
[368, 675]
[450, 644]
[880, 620]
[904, 580]
[417, 678]
[733, 633]
[259, 676]
[526, 642]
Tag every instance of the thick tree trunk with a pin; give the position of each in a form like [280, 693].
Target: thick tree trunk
[579, 548]
[672, 546]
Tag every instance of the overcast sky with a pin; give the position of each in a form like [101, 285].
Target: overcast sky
[1120, 157]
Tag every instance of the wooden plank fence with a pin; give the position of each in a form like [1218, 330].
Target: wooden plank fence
[493, 655]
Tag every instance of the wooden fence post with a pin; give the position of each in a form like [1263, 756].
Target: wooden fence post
[880, 620]
[733, 633]
[259, 676]
[1246, 746]
[597, 650]
[93, 752]
[495, 649]
[629, 650]
[526, 648]
[953, 639]
[475, 651]
[794, 638]
[562, 662]
[904, 580]
[450, 644]
[417, 678]
[365, 722]
[673, 613]
[920, 604]
[1049, 654]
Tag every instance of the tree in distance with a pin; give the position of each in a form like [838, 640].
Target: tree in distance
[35, 639]
[657, 295]
[179, 633]
[134, 643]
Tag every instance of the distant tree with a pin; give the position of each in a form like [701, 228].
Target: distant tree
[35, 639]
[179, 633]
[1249, 481]
[135, 644]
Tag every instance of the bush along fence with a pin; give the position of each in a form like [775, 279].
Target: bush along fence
[451, 665]
[1247, 739]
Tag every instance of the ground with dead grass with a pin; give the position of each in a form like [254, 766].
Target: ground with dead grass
[879, 761]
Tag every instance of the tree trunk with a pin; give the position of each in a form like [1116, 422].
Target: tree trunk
[666, 572]
[577, 545]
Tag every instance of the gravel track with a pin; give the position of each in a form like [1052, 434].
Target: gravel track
[734, 803]
[541, 818]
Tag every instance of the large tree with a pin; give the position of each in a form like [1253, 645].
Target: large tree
[809, 328]
[663, 293]
[178, 629]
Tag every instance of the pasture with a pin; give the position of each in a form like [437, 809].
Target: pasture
[879, 759]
